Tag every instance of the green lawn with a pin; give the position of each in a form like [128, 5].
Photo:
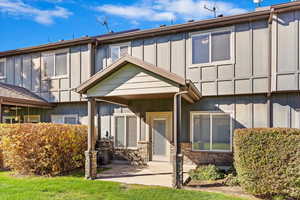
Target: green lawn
[75, 187]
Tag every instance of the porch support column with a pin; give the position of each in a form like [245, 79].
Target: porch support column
[177, 157]
[91, 154]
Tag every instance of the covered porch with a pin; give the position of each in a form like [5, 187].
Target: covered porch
[138, 86]
[19, 105]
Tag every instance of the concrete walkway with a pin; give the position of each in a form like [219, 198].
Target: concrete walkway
[156, 173]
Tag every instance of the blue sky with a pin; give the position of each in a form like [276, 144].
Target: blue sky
[26, 23]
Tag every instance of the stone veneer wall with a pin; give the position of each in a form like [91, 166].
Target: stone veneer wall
[204, 158]
[136, 156]
[142, 154]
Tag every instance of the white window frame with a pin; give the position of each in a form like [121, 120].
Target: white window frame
[118, 45]
[193, 113]
[210, 32]
[64, 116]
[27, 118]
[297, 118]
[4, 61]
[45, 77]
[138, 127]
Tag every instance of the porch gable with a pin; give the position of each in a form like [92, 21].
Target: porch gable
[132, 80]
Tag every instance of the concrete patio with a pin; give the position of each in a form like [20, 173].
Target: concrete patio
[156, 173]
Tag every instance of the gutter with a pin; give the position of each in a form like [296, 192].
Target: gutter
[46, 47]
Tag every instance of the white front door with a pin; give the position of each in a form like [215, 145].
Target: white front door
[161, 134]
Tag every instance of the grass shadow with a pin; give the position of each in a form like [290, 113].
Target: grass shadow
[79, 173]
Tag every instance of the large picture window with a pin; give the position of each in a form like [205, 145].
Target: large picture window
[211, 131]
[126, 131]
[55, 64]
[212, 47]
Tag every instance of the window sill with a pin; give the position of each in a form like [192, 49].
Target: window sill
[54, 77]
[212, 151]
[126, 148]
[229, 62]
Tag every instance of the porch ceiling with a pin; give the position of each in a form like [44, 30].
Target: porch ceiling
[130, 78]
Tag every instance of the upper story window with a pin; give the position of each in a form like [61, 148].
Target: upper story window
[55, 64]
[119, 50]
[211, 131]
[2, 68]
[212, 47]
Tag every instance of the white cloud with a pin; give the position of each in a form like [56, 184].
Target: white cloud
[165, 10]
[136, 12]
[42, 16]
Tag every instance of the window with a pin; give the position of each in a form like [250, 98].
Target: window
[212, 47]
[118, 51]
[2, 68]
[32, 118]
[55, 64]
[126, 131]
[11, 119]
[64, 119]
[211, 131]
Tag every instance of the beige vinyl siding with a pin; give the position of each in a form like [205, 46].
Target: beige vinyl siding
[26, 75]
[246, 73]
[36, 73]
[26, 71]
[132, 80]
[10, 70]
[285, 52]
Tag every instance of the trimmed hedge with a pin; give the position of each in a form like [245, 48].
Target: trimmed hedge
[267, 161]
[43, 149]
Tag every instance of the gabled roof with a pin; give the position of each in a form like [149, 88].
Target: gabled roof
[15, 95]
[101, 75]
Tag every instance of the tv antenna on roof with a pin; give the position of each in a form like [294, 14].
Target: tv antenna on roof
[213, 9]
[104, 22]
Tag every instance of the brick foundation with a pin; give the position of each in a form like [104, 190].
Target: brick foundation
[142, 154]
[136, 156]
[203, 158]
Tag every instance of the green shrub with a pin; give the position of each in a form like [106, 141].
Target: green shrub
[206, 173]
[43, 149]
[231, 180]
[267, 161]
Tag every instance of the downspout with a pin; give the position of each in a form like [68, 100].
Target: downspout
[269, 95]
[178, 157]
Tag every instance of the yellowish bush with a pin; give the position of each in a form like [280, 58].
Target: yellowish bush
[43, 149]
